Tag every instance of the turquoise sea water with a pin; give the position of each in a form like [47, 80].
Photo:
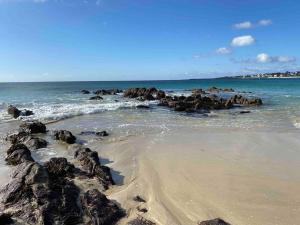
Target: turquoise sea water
[60, 100]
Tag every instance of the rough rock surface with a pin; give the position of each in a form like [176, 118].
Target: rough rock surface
[46, 195]
[217, 221]
[17, 154]
[144, 93]
[90, 163]
[99, 209]
[36, 143]
[19, 137]
[108, 91]
[14, 111]
[64, 136]
[141, 221]
[33, 127]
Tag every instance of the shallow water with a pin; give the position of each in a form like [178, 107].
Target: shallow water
[54, 101]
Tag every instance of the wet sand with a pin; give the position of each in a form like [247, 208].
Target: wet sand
[246, 178]
[189, 174]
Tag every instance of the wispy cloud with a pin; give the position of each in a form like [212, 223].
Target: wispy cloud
[242, 41]
[265, 58]
[224, 51]
[249, 24]
[243, 25]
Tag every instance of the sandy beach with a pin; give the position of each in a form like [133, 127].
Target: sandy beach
[193, 174]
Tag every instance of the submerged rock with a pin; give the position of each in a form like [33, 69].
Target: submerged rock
[64, 136]
[90, 163]
[217, 221]
[85, 92]
[97, 133]
[108, 91]
[15, 112]
[139, 199]
[97, 97]
[33, 127]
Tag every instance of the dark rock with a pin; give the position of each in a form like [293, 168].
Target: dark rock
[14, 111]
[217, 221]
[143, 94]
[18, 137]
[143, 107]
[99, 209]
[36, 143]
[102, 133]
[85, 92]
[97, 97]
[33, 127]
[99, 133]
[35, 198]
[60, 167]
[143, 210]
[139, 199]
[90, 163]
[5, 219]
[17, 154]
[108, 91]
[244, 112]
[141, 221]
[64, 136]
[26, 113]
[241, 100]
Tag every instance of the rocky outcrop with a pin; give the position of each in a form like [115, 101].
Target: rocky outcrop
[217, 90]
[33, 127]
[17, 154]
[99, 209]
[217, 221]
[241, 100]
[85, 92]
[64, 136]
[108, 91]
[144, 93]
[18, 137]
[36, 143]
[97, 97]
[15, 112]
[47, 195]
[90, 163]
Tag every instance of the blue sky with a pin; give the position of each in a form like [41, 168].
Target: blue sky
[60, 40]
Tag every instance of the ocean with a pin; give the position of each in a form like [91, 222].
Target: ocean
[61, 100]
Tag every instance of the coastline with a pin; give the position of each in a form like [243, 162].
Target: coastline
[185, 168]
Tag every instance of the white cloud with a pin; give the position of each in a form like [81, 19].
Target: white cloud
[249, 24]
[242, 41]
[224, 51]
[265, 23]
[265, 58]
[243, 25]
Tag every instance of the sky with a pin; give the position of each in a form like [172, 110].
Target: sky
[76, 40]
